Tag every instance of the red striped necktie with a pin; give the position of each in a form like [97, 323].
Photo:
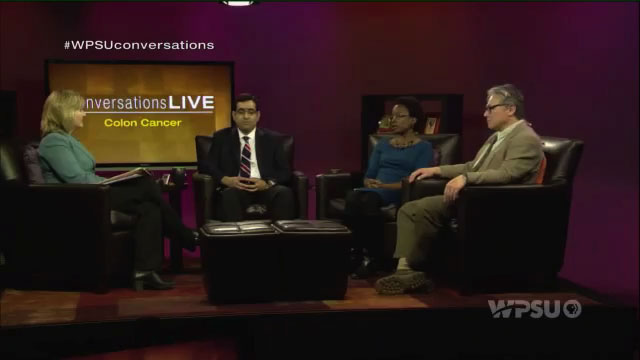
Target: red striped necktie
[245, 159]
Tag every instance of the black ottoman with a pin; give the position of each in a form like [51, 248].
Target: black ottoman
[240, 261]
[315, 259]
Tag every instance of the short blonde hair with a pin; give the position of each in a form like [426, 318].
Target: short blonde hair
[59, 111]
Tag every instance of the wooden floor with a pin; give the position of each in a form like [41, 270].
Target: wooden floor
[188, 299]
[152, 324]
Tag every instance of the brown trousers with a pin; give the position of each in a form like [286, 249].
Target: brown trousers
[419, 223]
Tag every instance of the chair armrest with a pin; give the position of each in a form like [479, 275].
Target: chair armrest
[56, 220]
[300, 187]
[332, 186]
[523, 226]
[204, 191]
[82, 205]
[422, 188]
[484, 190]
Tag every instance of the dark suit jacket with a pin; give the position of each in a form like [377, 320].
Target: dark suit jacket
[224, 155]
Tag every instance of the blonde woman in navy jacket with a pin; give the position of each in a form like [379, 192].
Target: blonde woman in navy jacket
[64, 159]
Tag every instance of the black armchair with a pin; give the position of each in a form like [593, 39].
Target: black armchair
[511, 237]
[60, 236]
[331, 188]
[204, 187]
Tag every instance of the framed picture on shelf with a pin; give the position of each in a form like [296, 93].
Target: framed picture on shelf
[384, 125]
[432, 125]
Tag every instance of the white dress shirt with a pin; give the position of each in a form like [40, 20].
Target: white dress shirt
[501, 135]
[255, 172]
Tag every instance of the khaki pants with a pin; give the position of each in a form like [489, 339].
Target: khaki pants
[419, 223]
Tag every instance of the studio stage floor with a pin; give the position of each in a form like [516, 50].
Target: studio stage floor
[362, 326]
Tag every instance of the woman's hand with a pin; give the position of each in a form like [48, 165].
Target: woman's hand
[391, 186]
[372, 183]
[377, 184]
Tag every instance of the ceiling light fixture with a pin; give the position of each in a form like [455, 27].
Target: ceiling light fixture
[238, 3]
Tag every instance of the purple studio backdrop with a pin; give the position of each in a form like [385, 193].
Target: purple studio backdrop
[310, 63]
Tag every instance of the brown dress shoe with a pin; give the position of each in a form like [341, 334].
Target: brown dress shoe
[404, 281]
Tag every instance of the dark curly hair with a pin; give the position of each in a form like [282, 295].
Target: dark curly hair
[415, 110]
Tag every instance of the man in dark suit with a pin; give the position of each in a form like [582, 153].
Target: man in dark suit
[251, 166]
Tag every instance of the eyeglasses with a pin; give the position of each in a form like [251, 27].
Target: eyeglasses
[490, 108]
[246, 111]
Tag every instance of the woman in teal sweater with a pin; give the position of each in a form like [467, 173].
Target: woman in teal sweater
[64, 159]
[391, 160]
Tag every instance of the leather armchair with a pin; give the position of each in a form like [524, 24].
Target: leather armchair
[331, 188]
[60, 236]
[204, 187]
[511, 237]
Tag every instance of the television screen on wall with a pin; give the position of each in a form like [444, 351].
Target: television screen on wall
[146, 113]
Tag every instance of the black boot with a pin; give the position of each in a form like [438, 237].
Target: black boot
[150, 280]
[355, 259]
[367, 268]
[191, 240]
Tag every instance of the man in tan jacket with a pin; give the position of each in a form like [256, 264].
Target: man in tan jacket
[512, 155]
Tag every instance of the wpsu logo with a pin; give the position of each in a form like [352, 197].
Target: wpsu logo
[535, 309]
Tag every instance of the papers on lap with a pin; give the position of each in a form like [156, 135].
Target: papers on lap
[132, 174]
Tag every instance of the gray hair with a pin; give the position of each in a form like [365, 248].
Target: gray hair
[510, 95]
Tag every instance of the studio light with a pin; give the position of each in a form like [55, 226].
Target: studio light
[238, 3]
